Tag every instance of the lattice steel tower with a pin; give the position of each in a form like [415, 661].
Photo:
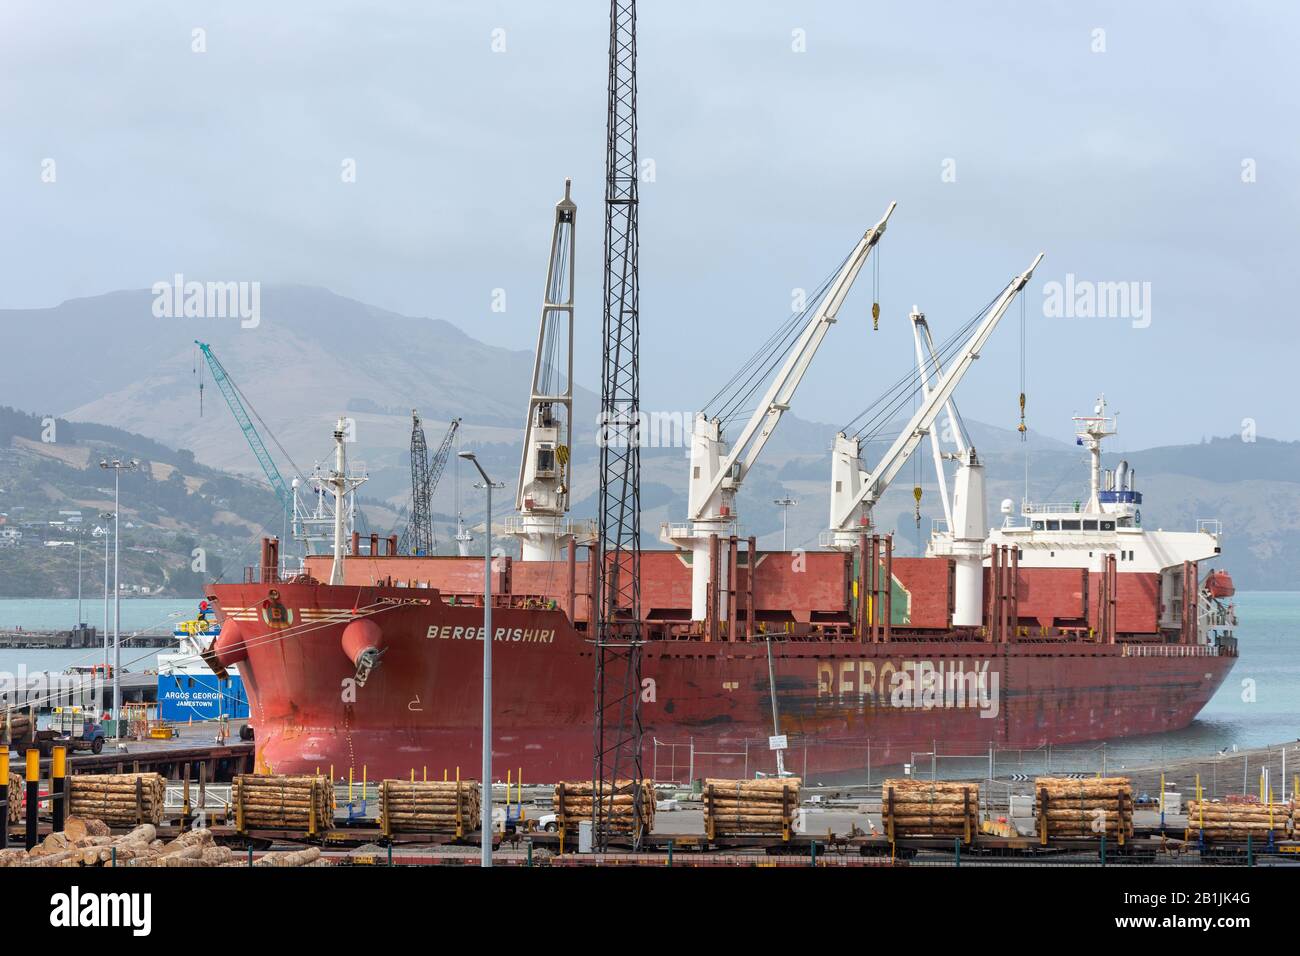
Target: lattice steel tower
[617, 716]
[418, 538]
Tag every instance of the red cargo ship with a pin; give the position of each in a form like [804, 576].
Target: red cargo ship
[382, 672]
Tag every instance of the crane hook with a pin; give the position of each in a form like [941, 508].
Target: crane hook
[875, 316]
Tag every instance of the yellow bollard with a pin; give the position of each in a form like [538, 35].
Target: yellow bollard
[412, 775]
[33, 797]
[458, 774]
[426, 774]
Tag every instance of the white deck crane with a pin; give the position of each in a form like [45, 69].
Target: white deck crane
[855, 491]
[965, 511]
[542, 498]
[718, 472]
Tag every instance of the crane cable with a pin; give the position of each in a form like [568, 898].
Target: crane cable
[729, 401]
[875, 292]
[1024, 367]
[894, 398]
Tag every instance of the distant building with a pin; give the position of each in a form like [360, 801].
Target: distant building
[10, 537]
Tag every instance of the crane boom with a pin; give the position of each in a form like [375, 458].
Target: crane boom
[873, 484]
[426, 472]
[776, 400]
[231, 393]
[439, 461]
[928, 367]
[717, 472]
[542, 494]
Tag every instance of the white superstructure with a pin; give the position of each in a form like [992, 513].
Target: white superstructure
[1104, 521]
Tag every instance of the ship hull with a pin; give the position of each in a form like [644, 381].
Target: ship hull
[706, 706]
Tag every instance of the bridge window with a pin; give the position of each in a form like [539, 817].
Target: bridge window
[1069, 526]
[1053, 526]
[1108, 526]
[1090, 526]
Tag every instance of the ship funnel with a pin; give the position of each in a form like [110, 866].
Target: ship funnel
[1121, 476]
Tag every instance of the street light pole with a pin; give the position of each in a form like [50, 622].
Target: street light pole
[104, 516]
[486, 820]
[785, 504]
[117, 466]
[81, 544]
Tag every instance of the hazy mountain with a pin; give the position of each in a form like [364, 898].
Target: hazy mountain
[108, 359]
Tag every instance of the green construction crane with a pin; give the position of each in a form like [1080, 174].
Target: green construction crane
[233, 399]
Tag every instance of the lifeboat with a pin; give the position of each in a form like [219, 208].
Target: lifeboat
[1219, 584]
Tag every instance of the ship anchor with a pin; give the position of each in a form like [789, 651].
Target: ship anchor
[367, 661]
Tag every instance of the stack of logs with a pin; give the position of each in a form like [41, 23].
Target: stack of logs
[303, 803]
[1234, 822]
[119, 799]
[1091, 807]
[15, 797]
[750, 807]
[432, 806]
[920, 808]
[16, 726]
[575, 801]
[89, 843]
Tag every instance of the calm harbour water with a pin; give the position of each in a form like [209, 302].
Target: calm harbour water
[142, 615]
[1269, 635]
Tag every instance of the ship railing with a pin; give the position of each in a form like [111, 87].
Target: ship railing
[583, 529]
[268, 574]
[1053, 507]
[1211, 526]
[675, 529]
[1171, 650]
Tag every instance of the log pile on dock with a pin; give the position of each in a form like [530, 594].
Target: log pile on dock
[1234, 822]
[119, 799]
[1089, 807]
[15, 726]
[303, 803]
[750, 807]
[574, 801]
[15, 811]
[89, 843]
[429, 806]
[931, 808]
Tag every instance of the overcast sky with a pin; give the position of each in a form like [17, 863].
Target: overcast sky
[1132, 142]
